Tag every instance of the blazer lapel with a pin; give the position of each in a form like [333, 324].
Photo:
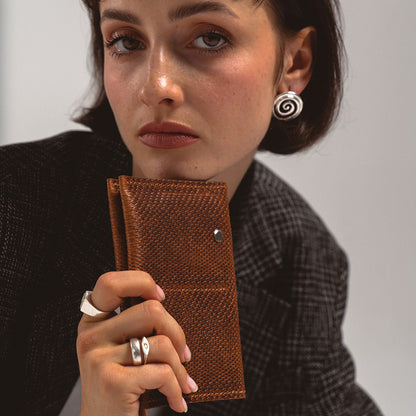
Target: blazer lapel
[258, 259]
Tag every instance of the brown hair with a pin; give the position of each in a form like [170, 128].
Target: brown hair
[321, 97]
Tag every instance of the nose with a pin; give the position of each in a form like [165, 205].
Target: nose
[161, 82]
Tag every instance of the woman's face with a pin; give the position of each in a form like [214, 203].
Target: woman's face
[191, 84]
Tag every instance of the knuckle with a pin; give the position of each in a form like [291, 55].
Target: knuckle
[166, 372]
[107, 282]
[154, 309]
[144, 281]
[164, 344]
[97, 359]
[86, 341]
[111, 377]
[146, 277]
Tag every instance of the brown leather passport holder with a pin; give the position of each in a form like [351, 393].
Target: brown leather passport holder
[179, 232]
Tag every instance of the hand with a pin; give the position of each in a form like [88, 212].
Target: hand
[110, 383]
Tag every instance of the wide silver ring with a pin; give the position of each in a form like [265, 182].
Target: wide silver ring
[136, 352]
[145, 349]
[89, 309]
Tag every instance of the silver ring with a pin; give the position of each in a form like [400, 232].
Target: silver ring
[136, 352]
[145, 349]
[89, 309]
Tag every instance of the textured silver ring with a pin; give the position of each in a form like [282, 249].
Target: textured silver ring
[89, 309]
[136, 351]
[145, 349]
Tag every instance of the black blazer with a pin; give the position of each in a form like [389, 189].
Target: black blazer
[56, 241]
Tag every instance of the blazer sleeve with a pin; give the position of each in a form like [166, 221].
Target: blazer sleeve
[312, 372]
[34, 306]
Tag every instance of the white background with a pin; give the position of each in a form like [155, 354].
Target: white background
[361, 178]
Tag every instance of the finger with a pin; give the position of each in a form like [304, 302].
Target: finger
[160, 377]
[91, 313]
[112, 287]
[144, 319]
[161, 350]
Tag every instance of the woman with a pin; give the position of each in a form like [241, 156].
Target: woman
[186, 90]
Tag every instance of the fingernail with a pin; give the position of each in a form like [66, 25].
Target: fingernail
[187, 354]
[192, 385]
[160, 292]
[185, 406]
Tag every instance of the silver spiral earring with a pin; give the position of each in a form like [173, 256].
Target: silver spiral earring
[287, 106]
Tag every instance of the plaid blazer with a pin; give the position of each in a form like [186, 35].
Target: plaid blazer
[56, 240]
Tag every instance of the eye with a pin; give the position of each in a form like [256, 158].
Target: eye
[126, 44]
[121, 44]
[211, 40]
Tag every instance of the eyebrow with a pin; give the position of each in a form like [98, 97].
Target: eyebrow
[208, 6]
[180, 13]
[115, 14]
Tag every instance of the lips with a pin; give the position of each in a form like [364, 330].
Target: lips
[167, 135]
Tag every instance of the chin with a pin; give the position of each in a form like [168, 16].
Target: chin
[173, 172]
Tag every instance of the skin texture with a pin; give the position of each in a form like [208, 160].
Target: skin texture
[110, 384]
[224, 93]
[216, 72]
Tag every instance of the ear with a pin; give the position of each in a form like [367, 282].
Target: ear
[298, 61]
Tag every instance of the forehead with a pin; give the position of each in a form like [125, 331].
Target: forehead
[141, 12]
[181, 8]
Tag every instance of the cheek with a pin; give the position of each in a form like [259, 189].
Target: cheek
[112, 87]
[244, 93]
[117, 89]
[110, 80]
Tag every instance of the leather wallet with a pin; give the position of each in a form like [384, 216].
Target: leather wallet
[179, 232]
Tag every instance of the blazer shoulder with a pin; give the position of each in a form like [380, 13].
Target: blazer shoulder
[288, 215]
[21, 161]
